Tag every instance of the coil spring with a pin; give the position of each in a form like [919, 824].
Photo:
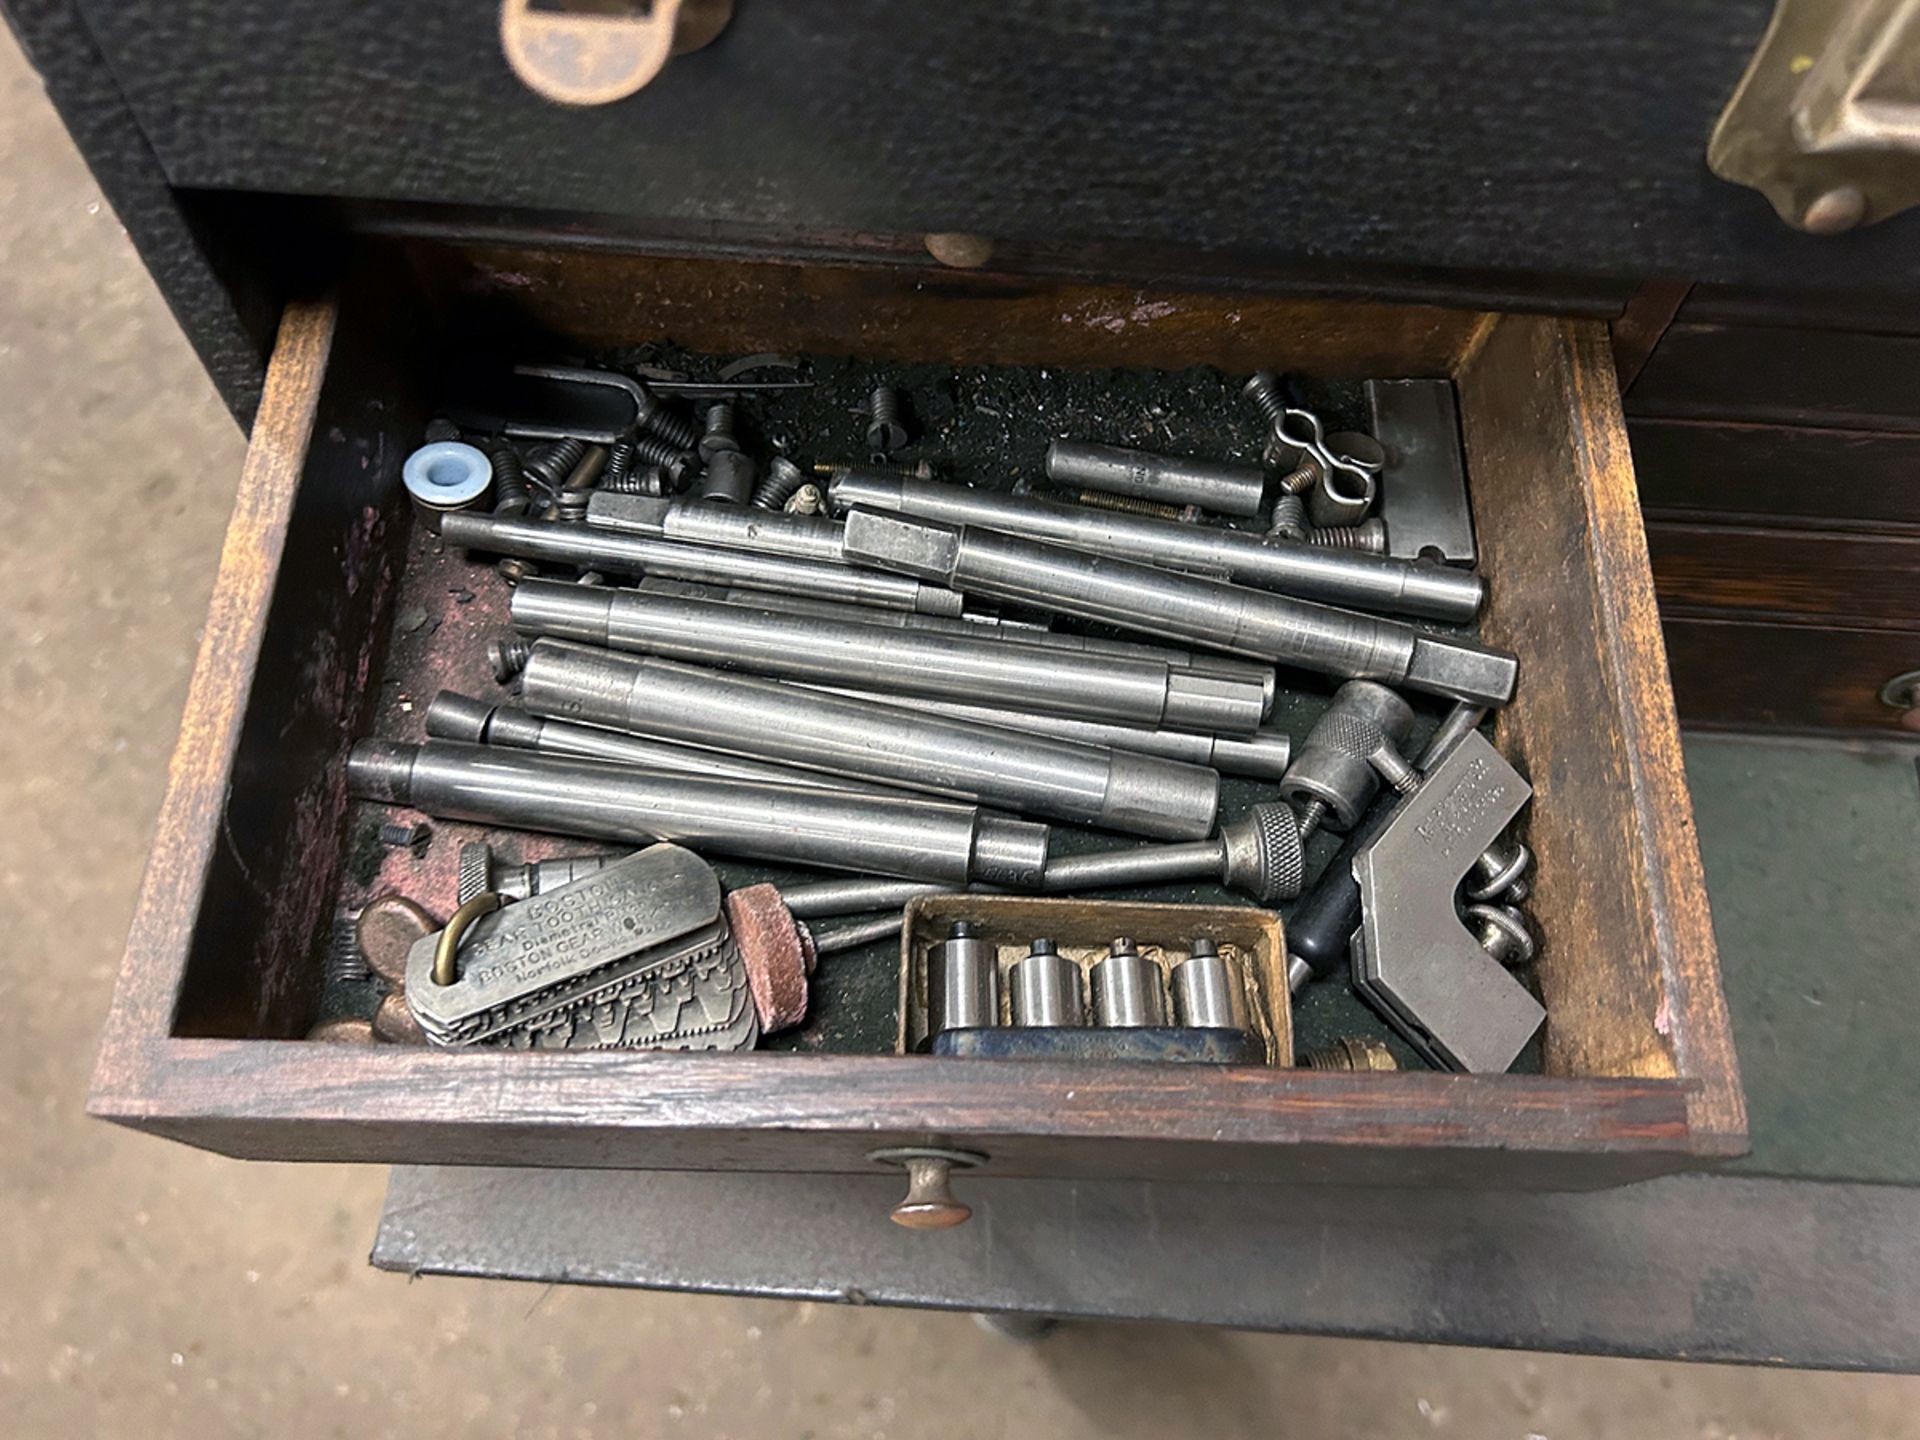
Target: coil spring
[782, 480]
[619, 465]
[346, 962]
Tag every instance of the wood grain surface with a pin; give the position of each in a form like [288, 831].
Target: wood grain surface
[201, 772]
[1628, 969]
[1733, 672]
[603, 298]
[1809, 476]
[1860, 578]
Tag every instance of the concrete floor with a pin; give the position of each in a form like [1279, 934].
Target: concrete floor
[151, 1289]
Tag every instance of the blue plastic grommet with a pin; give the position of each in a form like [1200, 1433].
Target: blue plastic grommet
[446, 475]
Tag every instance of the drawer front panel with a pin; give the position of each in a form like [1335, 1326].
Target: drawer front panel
[1779, 375]
[1812, 476]
[1735, 674]
[1811, 573]
[1570, 136]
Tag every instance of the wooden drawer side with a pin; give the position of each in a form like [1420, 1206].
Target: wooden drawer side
[1611, 820]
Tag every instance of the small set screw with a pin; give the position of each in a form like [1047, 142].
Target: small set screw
[507, 654]
[885, 431]
[405, 835]
[1134, 505]
[1350, 1052]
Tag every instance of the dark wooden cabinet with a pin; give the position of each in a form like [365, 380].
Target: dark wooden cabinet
[327, 191]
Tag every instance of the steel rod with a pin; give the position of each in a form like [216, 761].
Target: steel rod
[1114, 789]
[1264, 754]
[1216, 485]
[597, 800]
[979, 627]
[876, 657]
[588, 548]
[1368, 582]
[1208, 612]
[458, 717]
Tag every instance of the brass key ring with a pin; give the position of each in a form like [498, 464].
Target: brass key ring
[1314, 442]
[444, 953]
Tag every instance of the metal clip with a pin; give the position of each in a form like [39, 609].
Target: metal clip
[1314, 443]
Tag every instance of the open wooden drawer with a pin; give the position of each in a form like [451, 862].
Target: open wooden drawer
[223, 967]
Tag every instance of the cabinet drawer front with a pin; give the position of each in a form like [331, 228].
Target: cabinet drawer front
[1737, 673]
[1571, 136]
[222, 973]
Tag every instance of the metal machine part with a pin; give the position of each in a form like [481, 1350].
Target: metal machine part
[1263, 754]
[716, 432]
[1258, 855]
[886, 431]
[979, 627]
[1128, 505]
[729, 479]
[480, 873]
[1350, 1052]
[648, 413]
[784, 480]
[873, 657]
[1304, 572]
[550, 464]
[1344, 477]
[1503, 933]
[594, 800]
[1332, 776]
[1412, 958]
[802, 537]
[510, 493]
[1209, 612]
[458, 717]
[588, 547]
[1500, 872]
[1366, 537]
[1423, 507]
[1338, 498]
[1113, 789]
[1206, 991]
[1219, 486]
[1322, 924]
[824, 899]
[636, 955]
[444, 477]
[1045, 988]
[405, 834]
[963, 982]
[856, 934]
[1127, 990]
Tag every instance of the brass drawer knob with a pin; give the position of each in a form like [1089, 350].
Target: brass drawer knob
[578, 52]
[929, 1203]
